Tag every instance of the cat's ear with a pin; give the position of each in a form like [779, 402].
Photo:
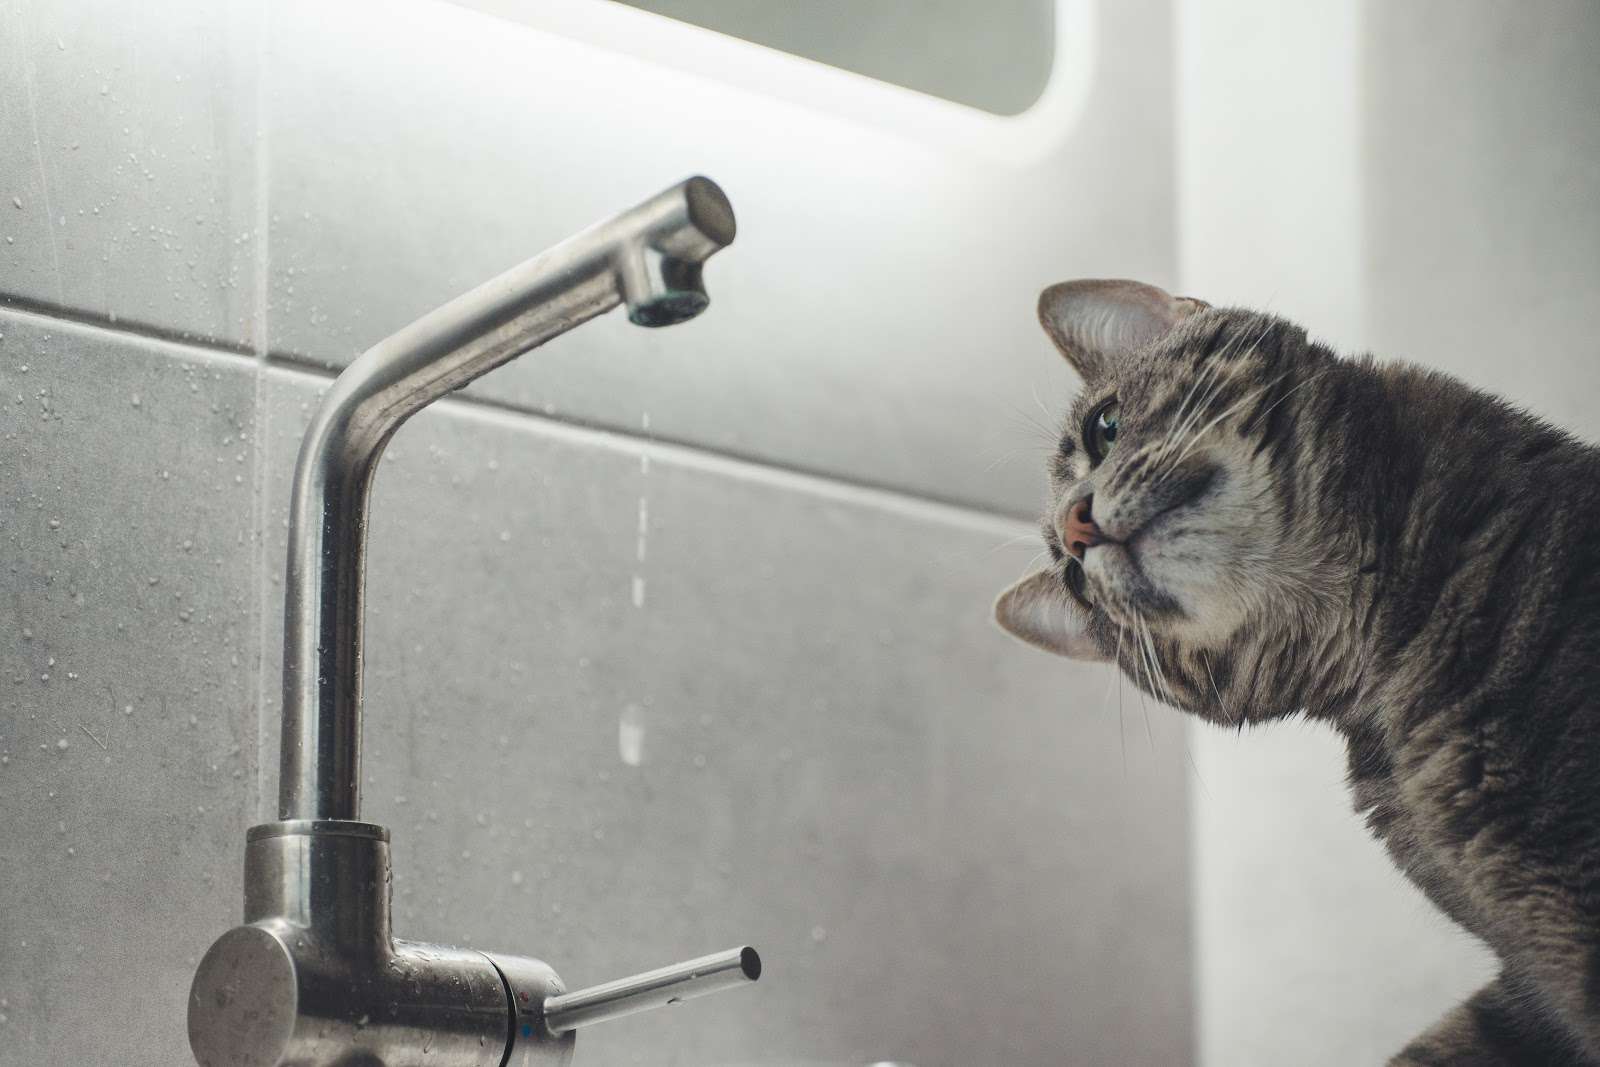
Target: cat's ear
[1039, 611]
[1093, 321]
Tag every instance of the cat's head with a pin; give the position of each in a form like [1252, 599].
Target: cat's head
[1174, 521]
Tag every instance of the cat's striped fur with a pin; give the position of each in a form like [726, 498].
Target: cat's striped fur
[1380, 547]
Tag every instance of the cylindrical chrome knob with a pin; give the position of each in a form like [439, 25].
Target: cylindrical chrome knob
[653, 989]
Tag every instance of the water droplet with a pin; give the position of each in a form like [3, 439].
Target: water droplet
[630, 735]
[135, 400]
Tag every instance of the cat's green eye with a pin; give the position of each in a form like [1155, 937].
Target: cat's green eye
[1100, 429]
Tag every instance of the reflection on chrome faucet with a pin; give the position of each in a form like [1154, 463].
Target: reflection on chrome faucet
[315, 976]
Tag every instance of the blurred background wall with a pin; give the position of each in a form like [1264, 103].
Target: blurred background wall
[681, 638]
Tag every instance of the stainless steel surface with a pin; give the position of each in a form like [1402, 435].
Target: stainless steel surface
[529, 983]
[315, 976]
[649, 257]
[660, 988]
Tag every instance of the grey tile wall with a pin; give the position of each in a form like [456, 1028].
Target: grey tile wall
[629, 701]
[627, 704]
[128, 664]
[129, 134]
[875, 317]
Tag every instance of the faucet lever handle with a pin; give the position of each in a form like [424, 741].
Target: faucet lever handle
[652, 989]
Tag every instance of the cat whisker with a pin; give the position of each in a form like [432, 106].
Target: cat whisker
[1284, 397]
[1116, 680]
[1138, 621]
[1204, 405]
[1030, 422]
[1034, 392]
[1122, 732]
[1017, 540]
[1187, 417]
[1007, 456]
[1206, 663]
[1156, 668]
[1200, 434]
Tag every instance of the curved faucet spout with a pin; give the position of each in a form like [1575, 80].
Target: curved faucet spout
[649, 257]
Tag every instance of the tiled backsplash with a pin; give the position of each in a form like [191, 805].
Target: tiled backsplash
[723, 672]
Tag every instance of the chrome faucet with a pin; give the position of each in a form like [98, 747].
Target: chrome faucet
[315, 976]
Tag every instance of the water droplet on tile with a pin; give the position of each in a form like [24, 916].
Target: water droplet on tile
[630, 735]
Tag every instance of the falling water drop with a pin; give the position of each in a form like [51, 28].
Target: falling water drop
[630, 735]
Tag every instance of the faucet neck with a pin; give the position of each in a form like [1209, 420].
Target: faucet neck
[649, 257]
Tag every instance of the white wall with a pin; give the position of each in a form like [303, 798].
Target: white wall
[1416, 179]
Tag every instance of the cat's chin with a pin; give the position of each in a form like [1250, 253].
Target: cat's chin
[1120, 586]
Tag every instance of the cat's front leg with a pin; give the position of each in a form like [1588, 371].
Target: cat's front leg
[1495, 1027]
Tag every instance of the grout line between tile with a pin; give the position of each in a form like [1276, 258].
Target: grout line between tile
[698, 456]
[691, 453]
[46, 309]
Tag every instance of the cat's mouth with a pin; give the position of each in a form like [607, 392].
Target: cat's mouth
[1123, 576]
[1119, 584]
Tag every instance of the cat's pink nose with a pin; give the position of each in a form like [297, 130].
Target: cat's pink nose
[1081, 533]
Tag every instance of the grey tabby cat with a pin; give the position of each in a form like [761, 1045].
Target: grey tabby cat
[1251, 527]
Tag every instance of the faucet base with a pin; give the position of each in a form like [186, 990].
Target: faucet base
[269, 994]
[315, 975]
